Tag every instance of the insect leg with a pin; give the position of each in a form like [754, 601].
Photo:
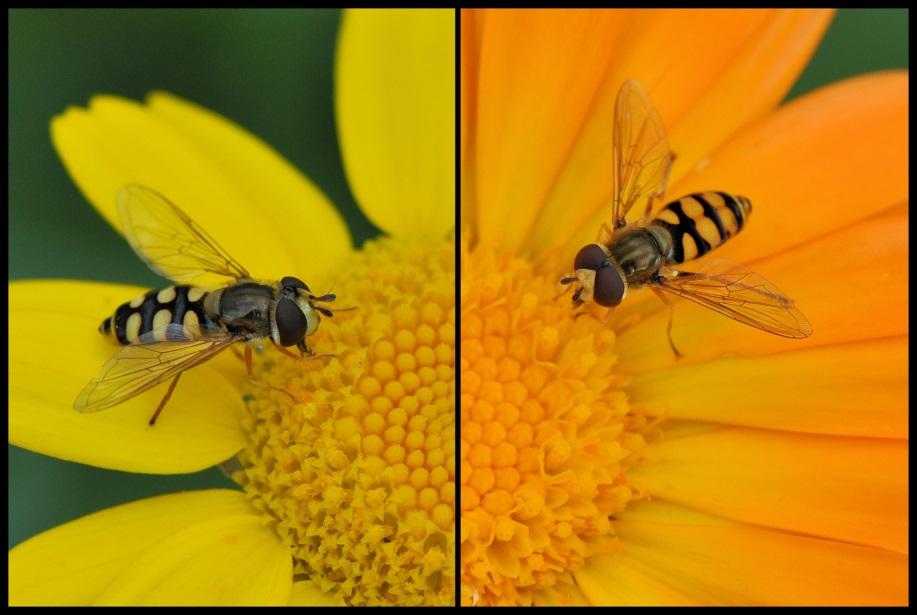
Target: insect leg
[283, 350]
[251, 375]
[305, 351]
[162, 404]
[668, 329]
[566, 283]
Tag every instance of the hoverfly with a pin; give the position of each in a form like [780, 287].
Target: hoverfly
[645, 253]
[169, 330]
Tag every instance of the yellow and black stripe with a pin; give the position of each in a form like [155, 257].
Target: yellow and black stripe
[701, 222]
[154, 310]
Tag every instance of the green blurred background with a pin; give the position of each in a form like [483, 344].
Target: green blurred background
[268, 70]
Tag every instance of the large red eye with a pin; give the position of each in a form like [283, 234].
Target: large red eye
[590, 257]
[608, 289]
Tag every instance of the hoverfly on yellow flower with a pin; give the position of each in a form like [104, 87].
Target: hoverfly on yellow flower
[645, 252]
[167, 331]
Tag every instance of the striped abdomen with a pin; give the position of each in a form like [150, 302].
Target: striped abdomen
[700, 222]
[183, 305]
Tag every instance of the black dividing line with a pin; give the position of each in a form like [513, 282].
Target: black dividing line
[686, 225]
[180, 304]
[735, 209]
[457, 501]
[148, 310]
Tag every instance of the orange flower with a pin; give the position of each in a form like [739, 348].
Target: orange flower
[597, 468]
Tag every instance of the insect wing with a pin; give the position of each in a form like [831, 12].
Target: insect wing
[743, 295]
[170, 242]
[148, 362]
[642, 159]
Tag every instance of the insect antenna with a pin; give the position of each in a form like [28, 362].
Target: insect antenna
[326, 298]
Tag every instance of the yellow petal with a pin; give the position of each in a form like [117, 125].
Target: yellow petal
[733, 564]
[199, 427]
[117, 141]
[850, 284]
[395, 104]
[302, 219]
[228, 561]
[847, 489]
[856, 389]
[201, 547]
[307, 593]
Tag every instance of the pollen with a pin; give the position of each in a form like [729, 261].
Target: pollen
[547, 433]
[357, 472]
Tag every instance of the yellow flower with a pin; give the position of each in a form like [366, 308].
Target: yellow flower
[595, 467]
[348, 490]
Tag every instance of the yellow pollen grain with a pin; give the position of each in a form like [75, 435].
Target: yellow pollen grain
[358, 474]
[542, 427]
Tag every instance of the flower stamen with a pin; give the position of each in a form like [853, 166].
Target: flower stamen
[358, 474]
[547, 433]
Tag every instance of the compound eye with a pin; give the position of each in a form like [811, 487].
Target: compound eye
[609, 287]
[291, 282]
[291, 322]
[590, 257]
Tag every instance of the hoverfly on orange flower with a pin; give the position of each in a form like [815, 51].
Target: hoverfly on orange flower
[167, 331]
[646, 252]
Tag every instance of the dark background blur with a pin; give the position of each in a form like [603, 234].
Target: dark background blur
[268, 70]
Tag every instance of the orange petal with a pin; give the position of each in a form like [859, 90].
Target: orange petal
[851, 284]
[740, 65]
[855, 389]
[538, 75]
[107, 556]
[200, 426]
[614, 580]
[562, 594]
[847, 489]
[544, 108]
[823, 162]
[826, 160]
[470, 57]
[720, 564]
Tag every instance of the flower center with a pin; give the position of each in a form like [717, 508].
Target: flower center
[357, 474]
[547, 433]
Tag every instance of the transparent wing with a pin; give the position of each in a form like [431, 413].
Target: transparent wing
[167, 240]
[146, 363]
[642, 159]
[740, 294]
